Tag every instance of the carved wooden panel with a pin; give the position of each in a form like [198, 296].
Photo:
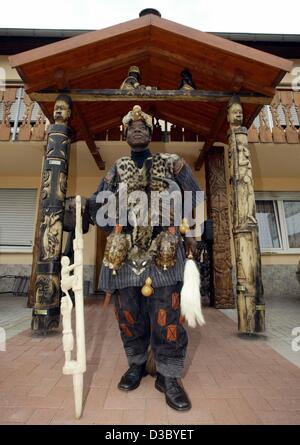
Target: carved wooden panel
[8, 98]
[253, 135]
[218, 211]
[265, 133]
[39, 128]
[286, 98]
[25, 128]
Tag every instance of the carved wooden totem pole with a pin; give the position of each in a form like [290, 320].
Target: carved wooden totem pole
[46, 309]
[218, 211]
[250, 302]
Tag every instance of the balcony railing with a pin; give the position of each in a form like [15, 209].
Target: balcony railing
[279, 122]
[20, 118]
[23, 120]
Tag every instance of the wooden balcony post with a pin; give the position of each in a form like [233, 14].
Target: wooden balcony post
[46, 298]
[250, 302]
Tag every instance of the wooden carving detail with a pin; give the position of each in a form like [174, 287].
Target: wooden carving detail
[218, 211]
[25, 128]
[47, 291]
[253, 134]
[46, 310]
[38, 130]
[9, 97]
[286, 98]
[271, 127]
[250, 303]
[62, 185]
[297, 103]
[52, 236]
[264, 130]
[46, 184]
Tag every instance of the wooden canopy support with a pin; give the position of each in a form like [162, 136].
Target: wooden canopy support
[96, 95]
[212, 137]
[89, 138]
[86, 65]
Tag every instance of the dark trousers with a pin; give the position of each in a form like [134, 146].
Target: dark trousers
[153, 320]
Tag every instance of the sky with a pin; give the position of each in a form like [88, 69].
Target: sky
[253, 16]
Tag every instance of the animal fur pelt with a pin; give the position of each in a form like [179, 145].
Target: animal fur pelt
[150, 364]
[190, 295]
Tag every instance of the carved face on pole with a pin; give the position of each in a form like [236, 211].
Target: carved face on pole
[62, 110]
[235, 115]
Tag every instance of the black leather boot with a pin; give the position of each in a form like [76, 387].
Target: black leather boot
[176, 397]
[132, 378]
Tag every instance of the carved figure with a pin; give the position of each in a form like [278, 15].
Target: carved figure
[62, 109]
[186, 82]
[52, 236]
[132, 81]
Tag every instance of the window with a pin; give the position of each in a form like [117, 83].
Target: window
[17, 217]
[278, 217]
[266, 212]
[292, 218]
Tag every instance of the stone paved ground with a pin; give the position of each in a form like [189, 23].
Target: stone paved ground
[15, 317]
[230, 380]
[282, 316]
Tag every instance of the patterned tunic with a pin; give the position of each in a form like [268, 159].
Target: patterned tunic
[163, 165]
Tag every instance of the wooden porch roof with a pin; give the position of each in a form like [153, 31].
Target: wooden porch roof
[161, 49]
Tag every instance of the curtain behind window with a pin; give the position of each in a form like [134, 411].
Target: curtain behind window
[292, 217]
[268, 230]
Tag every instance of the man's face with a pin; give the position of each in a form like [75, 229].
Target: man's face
[138, 135]
[61, 112]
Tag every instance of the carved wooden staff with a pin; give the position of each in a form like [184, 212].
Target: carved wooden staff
[250, 303]
[46, 301]
[74, 367]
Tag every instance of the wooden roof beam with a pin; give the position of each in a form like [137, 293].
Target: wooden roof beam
[110, 95]
[89, 138]
[212, 137]
[93, 68]
[208, 70]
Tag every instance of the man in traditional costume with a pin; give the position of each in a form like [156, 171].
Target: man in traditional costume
[143, 265]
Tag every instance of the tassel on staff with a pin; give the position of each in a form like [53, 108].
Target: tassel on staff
[190, 304]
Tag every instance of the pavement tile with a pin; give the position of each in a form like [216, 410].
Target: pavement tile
[16, 414]
[229, 380]
[134, 417]
[221, 412]
[42, 416]
[244, 413]
[279, 418]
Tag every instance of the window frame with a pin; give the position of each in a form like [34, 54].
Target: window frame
[19, 248]
[279, 197]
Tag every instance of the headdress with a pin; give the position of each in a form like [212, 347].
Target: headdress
[136, 114]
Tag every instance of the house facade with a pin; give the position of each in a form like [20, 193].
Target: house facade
[274, 142]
